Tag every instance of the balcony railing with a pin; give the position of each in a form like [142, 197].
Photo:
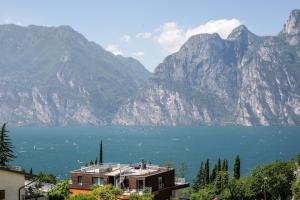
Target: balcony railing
[128, 191]
[180, 181]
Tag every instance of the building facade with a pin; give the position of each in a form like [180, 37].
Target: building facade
[137, 178]
[10, 182]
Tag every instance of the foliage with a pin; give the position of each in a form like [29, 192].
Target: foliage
[274, 179]
[168, 164]
[237, 168]
[81, 197]
[296, 190]
[182, 169]
[46, 178]
[205, 193]
[106, 192]
[241, 189]
[6, 152]
[140, 197]
[221, 181]
[60, 190]
[298, 159]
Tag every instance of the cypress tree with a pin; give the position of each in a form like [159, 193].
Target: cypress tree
[219, 165]
[101, 154]
[30, 172]
[237, 168]
[6, 152]
[223, 165]
[226, 165]
[96, 161]
[199, 178]
[206, 172]
[214, 173]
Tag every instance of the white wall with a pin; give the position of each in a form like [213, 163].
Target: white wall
[11, 182]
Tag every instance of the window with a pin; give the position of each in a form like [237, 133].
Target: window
[97, 180]
[160, 183]
[79, 180]
[2, 194]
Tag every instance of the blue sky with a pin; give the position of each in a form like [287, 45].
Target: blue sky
[149, 30]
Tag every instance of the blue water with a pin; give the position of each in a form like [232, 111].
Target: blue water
[59, 150]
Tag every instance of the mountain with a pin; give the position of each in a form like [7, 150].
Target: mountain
[55, 76]
[244, 79]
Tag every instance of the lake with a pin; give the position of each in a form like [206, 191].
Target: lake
[59, 150]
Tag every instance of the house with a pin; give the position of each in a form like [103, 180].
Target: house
[11, 180]
[132, 178]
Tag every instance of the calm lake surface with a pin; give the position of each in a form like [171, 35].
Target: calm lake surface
[59, 150]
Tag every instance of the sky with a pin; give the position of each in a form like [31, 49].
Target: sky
[149, 30]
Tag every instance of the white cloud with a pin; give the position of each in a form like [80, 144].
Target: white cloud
[145, 35]
[114, 49]
[171, 36]
[126, 38]
[138, 54]
[9, 20]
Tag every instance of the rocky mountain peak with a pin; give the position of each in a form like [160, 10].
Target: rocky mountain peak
[239, 32]
[292, 26]
[291, 30]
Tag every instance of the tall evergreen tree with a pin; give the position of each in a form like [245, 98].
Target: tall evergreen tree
[224, 165]
[96, 161]
[6, 152]
[206, 171]
[30, 172]
[237, 168]
[198, 183]
[219, 165]
[214, 173]
[101, 154]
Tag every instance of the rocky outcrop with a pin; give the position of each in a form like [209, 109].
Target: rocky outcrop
[54, 76]
[244, 79]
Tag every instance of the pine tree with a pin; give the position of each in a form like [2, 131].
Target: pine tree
[6, 152]
[30, 172]
[96, 161]
[101, 154]
[237, 168]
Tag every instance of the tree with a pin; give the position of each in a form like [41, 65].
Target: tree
[30, 172]
[199, 182]
[6, 152]
[91, 162]
[219, 165]
[96, 161]
[60, 191]
[296, 190]
[101, 154]
[225, 165]
[237, 168]
[214, 173]
[206, 172]
[182, 169]
[274, 180]
[106, 192]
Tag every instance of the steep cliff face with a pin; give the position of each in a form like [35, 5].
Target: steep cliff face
[244, 79]
[54, 76]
